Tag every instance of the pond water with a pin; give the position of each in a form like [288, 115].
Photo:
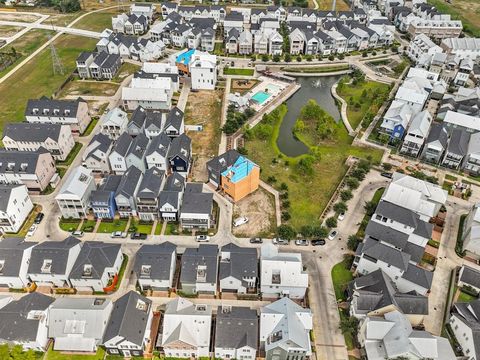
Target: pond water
[317, 88]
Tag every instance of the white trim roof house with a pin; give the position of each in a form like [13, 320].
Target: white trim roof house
[471, 231]
[186, 329]
[238, 268]
[24, 321]
[14, 258]
[147, 10]
[417, 133]
[281, 274]
[463, 121]
[393, 337]
[78, 324]
[15, 206]
[398, 113]
[95, 156]
[465, 324]
[199, 270]
[285, 326]
[114, 123]
[469, 276]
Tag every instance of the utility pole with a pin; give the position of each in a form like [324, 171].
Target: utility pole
[58, 68]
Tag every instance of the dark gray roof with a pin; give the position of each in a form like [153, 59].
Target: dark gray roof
[57, 251]
[67, 108]
[233, 33]
[129, 182]
[168, 197]
[20, 162]
[175, 182]
[159, 144]
[415, 251]
[438, 132]
[159, 257]
[236, 327]
[458, 143]
[11, 254]
[470, 276]
[98, 255]
[397, 213]
[386, 234]
[205, 254]
[412, 303]
[180, 146]
[234, 16]
[469, 314]
[138, 118]
[103, 144]
[194, 188]
[111, 183]
[174, 118]
[34, 132]
[106, 190]
[418, 276]
[15, 326]
[5, 193]
[139, 146]
[129, 318]
[153, 121]
[151, 183]
[243, 262]
[197, 203]
[220, 163]
[84, 55]
[123, 143]
[385, 253]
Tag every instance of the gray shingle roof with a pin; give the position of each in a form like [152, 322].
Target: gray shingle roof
[384, 233]
[236, 327]
[129, 182]
[418, 276]
[103, 143]
[139, 146]
[197, 203]
[153, 121]
[123, 144]
[469, 314]
[20, 162]
[159, 144]
[57, 251]
[5, 193]
[181, 147]
[222, 162]
[397, 213]
[159, 257]
[205, 254]
[11, 253]
[151, 183]
[386, 254]
[469, 276]
[458, 143]
[34, 132]
[174, 118]
[243, 262]
[138, 118]
[175, 182]
[97, 254]
[128, 318]
[168, 197]
[67, 108]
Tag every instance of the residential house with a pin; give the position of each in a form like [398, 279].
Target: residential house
[469, 278]
[203, 71]
[297, 41]
[128, 152]
[125, 196]
[199, 270]
[114, 123]
[34, 169]
[102, 200]
[472, 159]
[95, 156]
[64, 112]
[422, 47]
[128, 330]
[231, 41]
[238, 269]
[396, 119]
[465, 325]
[156, 154]
[136, 154]
[130, 25]
[435, 28]
[417, 134]
[236, 333]
[186, 329]
[457, 149]
[460, 121]
[155, 266]
[153, 124]
[136, 125]
[196, 208]
[161, 70]
[151, 93]
[234, 20]
[471, 232]
[180, 154]
[281, 274]
[174, 123]
[148, 193]
[466, 47]
[436, 144]
[73, 197]
[57, 139]
[170, 197]
[285, 330]
[15, 207]
[147, 10]
[392, 336]
[51, 262]
[98, 66]
[14, 258]
[97, 265]
[78, 324]
[245, 43]
[24, 322]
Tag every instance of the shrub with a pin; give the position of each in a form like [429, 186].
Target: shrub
[299, 58]
[286, 216]
[264, 57]
[283, 186]
[353, 241]
[286, 232]
[331, 58]
[346, 195]
[387, 166]
[271, 179]
[352, 183]
[276, 58]
[287, 57]
[340, 207]
[331, 222]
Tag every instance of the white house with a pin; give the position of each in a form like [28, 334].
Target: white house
[78, 324]
[285, 330]
[157, 151]
[96, 265]
[203, 71]
[149, 93]
[469, 277]
[14, 259]
[147, 10]
[417, 134]
[199, 270]
[95, 156]
[282, 274]
[51, 262]
[186, 329]
[15, 206]
[238, 269]
[125, 196]
[114, 123]
[73, 198]
[464, 323]
[155, 266]
[422, 47]
[471, 231]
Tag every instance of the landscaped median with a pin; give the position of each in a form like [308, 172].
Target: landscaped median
[237, 71]
[317, 69]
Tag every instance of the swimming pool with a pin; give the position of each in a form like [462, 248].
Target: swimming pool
[260, 97]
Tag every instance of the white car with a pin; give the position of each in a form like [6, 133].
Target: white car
[333, 234]
[77, 233]
[118, 234]
[240, 221]
[202, 238]
[341, 216]
[32, 230]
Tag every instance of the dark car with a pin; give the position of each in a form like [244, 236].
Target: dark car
[256, 240]
[138, 236]
[318, 242]
[387, 175]
[39, 218]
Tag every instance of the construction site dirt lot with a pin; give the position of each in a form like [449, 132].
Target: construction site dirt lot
[259, 208]
[7, 31]
[12, 16]
[204, 108]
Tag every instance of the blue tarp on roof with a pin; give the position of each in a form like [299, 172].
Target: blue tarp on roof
[238, 171]
[185, 57]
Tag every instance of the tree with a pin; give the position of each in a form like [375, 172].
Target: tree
[264, 57]
[285, 232]
[364, 165]
[305, 165]
[299, 58]
[353, 241]
[271, 179]
[307, 231]
[287, 57]
[320, 231]
[331, 222]
[352, 183]
[387, 166]
[286, 216]
[340, 207]
[370, 207]
[331, 58]
[283, 186]
[242, 151]
[358, 174]
[348, 325]
[276, 58]
[346, 195]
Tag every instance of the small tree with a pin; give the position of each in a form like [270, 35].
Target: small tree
[352, 183]
[353, 241]
[358, 174]
[287, 57]
[331, 222]
[276, 58]
[387, 166]
[286, 216]
[348, 325]
[271, 179]
[264, 57]
[285, 232]
[331, 58]
[346, 195]
[283, 186]
[299, 58]
[320, 231]
[309, 57]
[340, 207]
[370, 207]
[307, 231]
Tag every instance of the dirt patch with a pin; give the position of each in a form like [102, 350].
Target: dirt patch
[7, 31]
[259, 208]
[89, 87]
[199, 169]
[204, 108]
[18, 17]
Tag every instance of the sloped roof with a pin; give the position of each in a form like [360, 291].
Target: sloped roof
[159, 257]
[98, 255]
[57, 251]
[11, 253]
[236, 327]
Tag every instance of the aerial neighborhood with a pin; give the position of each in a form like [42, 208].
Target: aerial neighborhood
[279, 180]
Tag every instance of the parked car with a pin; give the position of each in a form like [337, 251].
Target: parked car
[118, 234]
[77, 233]
[278, 241]
[32, 230]
[39, 218]
[256, 240]
[333, 234]
[341, 216]
[240, 221]
[138, 236]
[202, 238]
[318, 242]
[387, 175]
[301, 242]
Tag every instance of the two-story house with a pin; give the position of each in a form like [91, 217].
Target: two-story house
[102, 200]
[148, 192]
[14, 259]
[125, 196]
[238, 271]
[114, 123]
[15, 207]
[95, 156]
[199, 270]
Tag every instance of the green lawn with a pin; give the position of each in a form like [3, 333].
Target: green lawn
[341, 276]
[115, 225]
[36, 78]
[25, 45]
[68, 224]
[71, 156]
[235, 71]
[28, 223]
[464, 297]
[308, 195]
[142, 228]
[158, 228]
[317, 69]
[90, 127]
[61, 171]
[98, 21]
[366, 96]
[88, 225]
[55, 355]
[171, 229]
[126, 69]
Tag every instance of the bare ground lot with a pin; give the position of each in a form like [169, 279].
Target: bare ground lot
[7, 31]
[18, 17]
[259, 208]
[89, 87]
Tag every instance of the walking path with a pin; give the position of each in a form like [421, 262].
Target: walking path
[222, 147]
[62, 29]
[182, 99]
[343, 110]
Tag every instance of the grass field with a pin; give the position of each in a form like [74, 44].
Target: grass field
[115, 225]
[36, 78]
[466, 10]
[88, 87]
[98, 21]
[55, 355]
[464, 297]
[68, 225]
[234, 71]
[308, 195]
[25, 45]
[7, 30]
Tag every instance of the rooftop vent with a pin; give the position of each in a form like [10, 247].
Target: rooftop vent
[201, 307]
[142, 305]
[146, 270]
[87, 270]
[98, 301]
[47, 266]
